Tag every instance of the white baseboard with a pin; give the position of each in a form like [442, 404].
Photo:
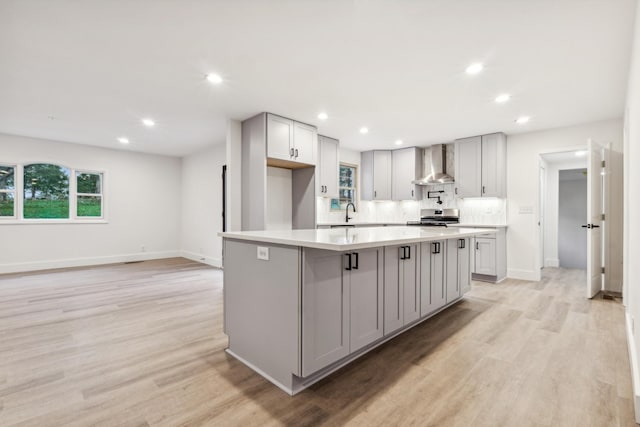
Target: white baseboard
[513, 273]
[633, 360]
[84, 262]
[214, 262]
[552, 262]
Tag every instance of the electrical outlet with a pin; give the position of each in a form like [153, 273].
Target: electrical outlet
[263, 253]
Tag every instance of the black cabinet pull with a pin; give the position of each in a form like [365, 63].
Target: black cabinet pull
[291, 152]
[348, 262]
[375, 193]
[296, 152]
[436, 248]
[586, 226]
[455, 190]
[461, 244]
[595, 226]
[411, 193]
[477, 246]
[483, 190]
[355, 267]
[409, 252]
[403, 254]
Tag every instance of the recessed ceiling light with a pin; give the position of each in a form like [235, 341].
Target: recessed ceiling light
[364, 130]
[323, 116]
[474, 68]
[581, 153]
[502, 98]
[214, 78]
[522, 120]
[399, 142]
[123, 140]
[148, 122]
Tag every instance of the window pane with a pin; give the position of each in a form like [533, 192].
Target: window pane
[90, 183]
[46, 191]
[347, 176]
[90, 206]
[7, 178]
[7, 204]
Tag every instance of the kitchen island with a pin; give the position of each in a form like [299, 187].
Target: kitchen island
[300, 304]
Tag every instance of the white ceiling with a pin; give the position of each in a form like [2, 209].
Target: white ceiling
[98, 67]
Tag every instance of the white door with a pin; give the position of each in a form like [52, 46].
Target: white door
[594, 218]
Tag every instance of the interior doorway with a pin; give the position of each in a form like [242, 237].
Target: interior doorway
[571, 209]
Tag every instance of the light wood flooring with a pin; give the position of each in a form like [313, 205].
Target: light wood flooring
[142, 344]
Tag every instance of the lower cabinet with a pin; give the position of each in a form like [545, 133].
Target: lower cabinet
[401, 286]
[485, 256]
[458, 271]
[433, 294]
[342, 302]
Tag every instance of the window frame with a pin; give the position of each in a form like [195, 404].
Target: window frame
[73, 218]
[77, 172]
[354, 188]
[14, 191]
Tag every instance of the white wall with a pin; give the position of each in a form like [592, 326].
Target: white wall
[632, 211]
[234, 175]
[142, 201]
[523, 150]
[279, 214]
[572, 213]
[202, 205]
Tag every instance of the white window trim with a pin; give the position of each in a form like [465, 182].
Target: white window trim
[73, 218]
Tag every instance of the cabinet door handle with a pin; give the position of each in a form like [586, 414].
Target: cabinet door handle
[408, 251]
[436, 247]
[455, 190]
[411, 193]
[477, 246]
[483, 190]
[296, 153]
[355, 267]
[348, 267]
[461, 243]
[291, 152]
[402, 254]
[375, 193]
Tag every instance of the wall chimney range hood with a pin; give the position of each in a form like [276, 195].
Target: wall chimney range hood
[436, 172]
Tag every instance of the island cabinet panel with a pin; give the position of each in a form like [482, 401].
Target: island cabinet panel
[401, 286]
[458, 272]
[366, 299]
[433, 294]
[325, 309]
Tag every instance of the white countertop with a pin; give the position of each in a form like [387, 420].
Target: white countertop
[347, 239]
[360, 223]
[478, 225]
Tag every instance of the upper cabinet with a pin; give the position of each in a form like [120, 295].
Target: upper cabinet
[406, 168]
[480, 164]
[376, 174]
[290, 141]
[328, 168]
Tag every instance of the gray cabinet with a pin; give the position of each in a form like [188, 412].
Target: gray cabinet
[489, 256]
[290, 141]
[328, 169]
[401, 286]
[325, 310]
[406, 167]
[376, 169]
[480, 164]
[458, 271]
[366, 298]
[432, 285]
[342, 303]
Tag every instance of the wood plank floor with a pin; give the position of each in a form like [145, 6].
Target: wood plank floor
[142, 344]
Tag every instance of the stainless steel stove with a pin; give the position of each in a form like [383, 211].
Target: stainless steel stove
[437, 217]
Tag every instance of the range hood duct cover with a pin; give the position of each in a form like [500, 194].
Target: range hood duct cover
[436, 170]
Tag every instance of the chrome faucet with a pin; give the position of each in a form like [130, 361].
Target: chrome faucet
[346, 211]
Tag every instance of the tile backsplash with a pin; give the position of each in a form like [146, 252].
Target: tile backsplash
[472, 211]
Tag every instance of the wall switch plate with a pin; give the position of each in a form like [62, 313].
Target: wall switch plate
[263, 253]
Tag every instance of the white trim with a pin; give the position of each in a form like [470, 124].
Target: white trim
[633, 360]
[214, 262]
[552, 262]
[84, 262]
[13, 221]
[515, 273]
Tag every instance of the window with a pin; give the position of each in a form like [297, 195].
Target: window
[346, 187]
[7, 191]
[46, 191]
[89, 194]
